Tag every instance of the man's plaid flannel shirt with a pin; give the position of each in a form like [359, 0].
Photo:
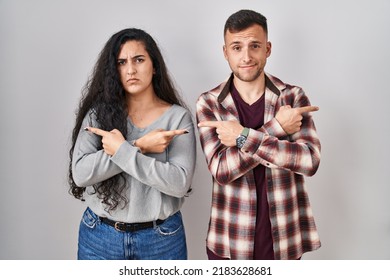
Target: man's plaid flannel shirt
[287, 159]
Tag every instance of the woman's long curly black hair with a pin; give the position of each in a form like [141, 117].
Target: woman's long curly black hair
[103, 94]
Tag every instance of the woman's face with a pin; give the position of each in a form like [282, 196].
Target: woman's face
[135, 68]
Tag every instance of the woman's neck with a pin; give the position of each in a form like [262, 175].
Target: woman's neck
[145, 109]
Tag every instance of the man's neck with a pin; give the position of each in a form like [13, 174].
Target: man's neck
[250, 92]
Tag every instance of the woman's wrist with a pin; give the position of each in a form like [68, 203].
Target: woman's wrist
[136, 143]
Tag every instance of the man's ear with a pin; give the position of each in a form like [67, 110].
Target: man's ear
[269, 47]
[225, 52]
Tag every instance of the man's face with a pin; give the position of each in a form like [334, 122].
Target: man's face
[247, 52]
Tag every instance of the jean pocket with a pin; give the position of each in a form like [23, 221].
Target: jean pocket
[89, 218]
[172, 225]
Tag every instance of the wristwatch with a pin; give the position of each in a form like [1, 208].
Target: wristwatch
[240, 140]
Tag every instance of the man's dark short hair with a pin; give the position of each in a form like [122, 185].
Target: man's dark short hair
[243, 19]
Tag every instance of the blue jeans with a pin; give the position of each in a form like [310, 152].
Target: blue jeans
[99, 241]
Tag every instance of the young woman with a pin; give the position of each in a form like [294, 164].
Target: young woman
[132, 157]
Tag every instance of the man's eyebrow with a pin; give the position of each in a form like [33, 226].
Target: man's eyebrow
[235, 43]
[240, 42]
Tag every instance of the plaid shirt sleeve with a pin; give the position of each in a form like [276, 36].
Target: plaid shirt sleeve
[299, 152]
[226, 164]
[270, 145]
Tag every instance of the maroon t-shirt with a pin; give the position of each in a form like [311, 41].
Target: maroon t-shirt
[252, 116]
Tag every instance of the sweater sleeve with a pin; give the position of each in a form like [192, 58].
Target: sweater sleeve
[90, 164]
[172, 177]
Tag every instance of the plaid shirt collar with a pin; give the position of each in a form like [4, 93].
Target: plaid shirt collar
[275, 85]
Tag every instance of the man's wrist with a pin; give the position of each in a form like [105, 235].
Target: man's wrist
[241, 139]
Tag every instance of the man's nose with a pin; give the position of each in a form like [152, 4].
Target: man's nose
[246, 56]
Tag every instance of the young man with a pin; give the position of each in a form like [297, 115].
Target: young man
[259, 140]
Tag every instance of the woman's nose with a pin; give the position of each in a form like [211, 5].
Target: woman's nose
[131, 70]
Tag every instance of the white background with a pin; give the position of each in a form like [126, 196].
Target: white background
[338, 51]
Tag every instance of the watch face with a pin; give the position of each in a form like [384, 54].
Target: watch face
[240, 141]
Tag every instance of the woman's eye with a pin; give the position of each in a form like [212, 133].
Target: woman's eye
[121, 62]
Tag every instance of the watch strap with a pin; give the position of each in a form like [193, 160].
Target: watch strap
[245, 132]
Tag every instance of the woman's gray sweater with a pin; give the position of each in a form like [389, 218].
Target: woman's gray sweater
[156, 183]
